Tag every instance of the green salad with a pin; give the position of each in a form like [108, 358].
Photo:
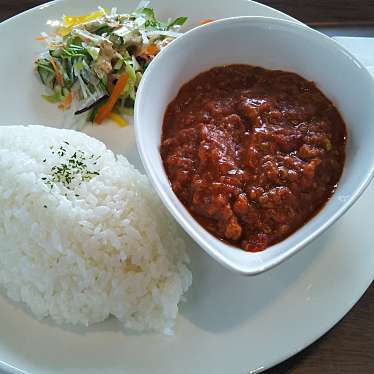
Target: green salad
[94, 63]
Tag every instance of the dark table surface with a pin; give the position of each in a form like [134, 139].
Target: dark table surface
[348, 348]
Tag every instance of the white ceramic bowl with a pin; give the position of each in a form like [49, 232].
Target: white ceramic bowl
[272, 44]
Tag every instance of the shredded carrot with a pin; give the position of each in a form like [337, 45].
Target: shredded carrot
[151, 49]
[58, 74]
[119, 120]
[66, 102]
[104, 111]
[40, 37]
[205, 21]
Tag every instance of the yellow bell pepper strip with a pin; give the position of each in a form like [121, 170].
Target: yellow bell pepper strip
[71, 21]
[119, 120]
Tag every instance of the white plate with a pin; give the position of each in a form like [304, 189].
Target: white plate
[230, 324]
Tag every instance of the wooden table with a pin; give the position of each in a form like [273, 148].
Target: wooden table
[349, 347]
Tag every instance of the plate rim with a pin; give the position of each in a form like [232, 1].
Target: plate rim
[10, 368]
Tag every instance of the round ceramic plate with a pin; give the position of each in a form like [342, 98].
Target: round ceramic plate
[229, 323]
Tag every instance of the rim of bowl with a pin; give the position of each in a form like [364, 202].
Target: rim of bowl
[168, 201]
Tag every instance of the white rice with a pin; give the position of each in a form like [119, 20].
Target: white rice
[112, 250]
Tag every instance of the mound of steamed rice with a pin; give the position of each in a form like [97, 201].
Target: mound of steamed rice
[83, 251]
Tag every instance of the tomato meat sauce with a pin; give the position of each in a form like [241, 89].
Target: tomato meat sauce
[252, 153]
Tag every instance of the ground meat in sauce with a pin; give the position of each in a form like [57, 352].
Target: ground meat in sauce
[252, 153]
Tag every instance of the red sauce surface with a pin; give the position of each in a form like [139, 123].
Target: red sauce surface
[253, 154]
